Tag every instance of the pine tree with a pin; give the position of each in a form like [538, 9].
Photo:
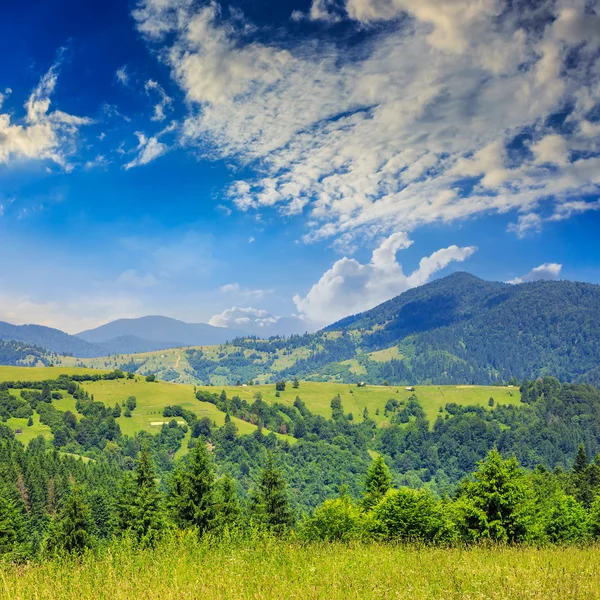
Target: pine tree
[117, 411]
[295, 383]
[103, 514]
[366, 414]
[270, 504]
[377, 483]
[228, 504]
[70, 530]
[581, 460]
[140, 507]
[192, 499]
[12, 527]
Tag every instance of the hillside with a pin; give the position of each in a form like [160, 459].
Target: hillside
[456, 330]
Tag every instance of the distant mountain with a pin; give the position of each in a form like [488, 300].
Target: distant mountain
[52, 339]
[159, 332]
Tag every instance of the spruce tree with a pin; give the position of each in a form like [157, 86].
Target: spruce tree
[192, 500]
[270, 504]
[12, 526]
[228, 504]
[70, 530]
[581, 460]
[377, 483]
[140, 509]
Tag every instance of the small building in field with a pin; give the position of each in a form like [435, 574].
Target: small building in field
[18, 431]
[409, 388]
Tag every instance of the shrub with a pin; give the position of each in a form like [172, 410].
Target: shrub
[336, 520]
[408, 514]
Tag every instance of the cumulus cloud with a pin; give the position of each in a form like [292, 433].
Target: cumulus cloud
[350, 287]
[416, 124]
[545, 272]
[42, 134]
[244, 318]
[260, 322]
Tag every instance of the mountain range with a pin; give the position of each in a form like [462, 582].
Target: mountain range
[124, 336]
[458, 329]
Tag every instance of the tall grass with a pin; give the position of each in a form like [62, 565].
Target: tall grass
[185, 567]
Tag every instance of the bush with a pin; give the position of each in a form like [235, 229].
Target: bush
[336, 520]
[568, 521]
[408, 514]
[150, 378]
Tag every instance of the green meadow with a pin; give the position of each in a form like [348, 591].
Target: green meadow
[152, 398]
[188, 567]
[318, 395]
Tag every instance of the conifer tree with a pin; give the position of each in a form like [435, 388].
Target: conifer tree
[140, 507]
[377, 483]
[70, 530]
[228, 505]
[581, 460]
[12, 526]
[192, 499]
[270, 504]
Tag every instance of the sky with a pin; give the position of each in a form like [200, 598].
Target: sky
[276, 166]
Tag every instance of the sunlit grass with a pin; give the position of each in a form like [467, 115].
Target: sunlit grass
[188, 568]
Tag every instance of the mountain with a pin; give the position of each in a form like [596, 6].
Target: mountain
[458, 329]
[17, 353]
[53, 340]
[158, 332]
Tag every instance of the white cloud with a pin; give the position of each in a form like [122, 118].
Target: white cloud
[42, 134]
[244, 318]
[350, 287]
[148, 149]
[164, 101]
[122, 75]
[547, 271]
[237, 289]
[383, 136]
[251, 239]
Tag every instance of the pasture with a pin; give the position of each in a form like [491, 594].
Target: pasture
[317, 396]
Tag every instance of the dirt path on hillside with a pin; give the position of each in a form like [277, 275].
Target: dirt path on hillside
[177, 361]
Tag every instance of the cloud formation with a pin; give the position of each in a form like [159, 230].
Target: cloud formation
[42, 134]
[545, 272]
[350, 287]
[238, 290]
[445, 113]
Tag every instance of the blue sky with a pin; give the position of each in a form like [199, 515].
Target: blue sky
[276, 166]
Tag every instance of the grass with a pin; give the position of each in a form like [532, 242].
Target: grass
[190, 568]
[317, 396]
[153, 397]
[40, 373]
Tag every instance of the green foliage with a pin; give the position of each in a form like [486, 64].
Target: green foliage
[140, 510]
[410, 515]
[192, 499]
[71, 530]
[336, 520]
[377, 483]
[13, 535]
[494, 504]
[270, 505]
[567, 521]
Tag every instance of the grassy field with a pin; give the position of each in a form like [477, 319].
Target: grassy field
[187, 568]
[317, 396]
[153, 397]
[151, 400]
[40, 373]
